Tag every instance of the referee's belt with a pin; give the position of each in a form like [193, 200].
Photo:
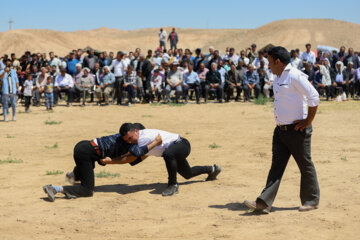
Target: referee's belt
[286, 127]
[96, 147]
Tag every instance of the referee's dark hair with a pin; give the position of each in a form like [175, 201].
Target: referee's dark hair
[125, 128]
[280, 53]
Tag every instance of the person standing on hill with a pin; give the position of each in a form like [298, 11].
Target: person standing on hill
[173, 38]
[295, 106]
[162, 38]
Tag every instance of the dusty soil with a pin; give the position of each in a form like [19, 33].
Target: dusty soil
[131, 206]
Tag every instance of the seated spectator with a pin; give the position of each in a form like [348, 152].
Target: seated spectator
[130, 84]
[90, 60]
[244, 58]
[191, 81]
[309, 71]
[64, 83]
[233, 81]
[106, 86]
[202, 71]
[213, 83]
[28, 89]
[40, 83]
[174, 81]
[351, 76]
[357, 82]
[251, 81]
[269, 80]
[84, 84]
[351, 57]
[341, 79]
[259, 59]
[222, 71]
[156, 84]
[326, 80]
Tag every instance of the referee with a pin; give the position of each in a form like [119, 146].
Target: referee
[295, 106]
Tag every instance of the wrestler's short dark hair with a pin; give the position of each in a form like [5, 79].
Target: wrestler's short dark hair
[139, 126]
[280, 53]
[125, 128]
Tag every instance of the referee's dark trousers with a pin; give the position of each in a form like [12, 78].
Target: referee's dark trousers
[287, 142]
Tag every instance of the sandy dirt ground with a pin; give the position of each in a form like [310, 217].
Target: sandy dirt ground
[131, 206]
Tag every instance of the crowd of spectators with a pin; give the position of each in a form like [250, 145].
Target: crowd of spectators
[165, 75]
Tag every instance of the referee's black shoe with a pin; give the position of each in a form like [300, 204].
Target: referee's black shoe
[171, 190]
[216, 170]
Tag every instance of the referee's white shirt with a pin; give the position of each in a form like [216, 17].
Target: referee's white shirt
[293, 94]
[147, 136]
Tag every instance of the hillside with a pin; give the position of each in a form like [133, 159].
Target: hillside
[294, 33]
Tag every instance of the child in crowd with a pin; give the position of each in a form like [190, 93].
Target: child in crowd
[156, 82]
[49, 95]
[28, 89]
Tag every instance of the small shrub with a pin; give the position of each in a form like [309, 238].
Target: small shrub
[57, 172]
[214, 145]
[9, 136]
[52, 122]
[56, 145]
[10, 159]
[261, 100]
[105, 174]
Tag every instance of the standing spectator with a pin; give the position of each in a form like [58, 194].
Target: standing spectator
[106, 86]
[28, 89]
[10, 86]
[252, 54]
[71, 64]
[340, 56]
[351, 57]
[232, 56]
[295, 60]
[144, 66]
[351, 76]
[191, 81]
[54, 61]
[90, 60]
[129, 85]
[64, 83]
[174, 81]
[213, 83]
[162, 38]
[308, 55]
[49, 93]
[119, 67]
[233, 81]
[15, 62]
[357, 82]
[251, 81]
[173, 38]
[244, 58]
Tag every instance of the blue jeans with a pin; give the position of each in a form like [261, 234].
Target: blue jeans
[49, 100]
[131, 92]
[5, 99]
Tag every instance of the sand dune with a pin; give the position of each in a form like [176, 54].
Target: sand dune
[293, 33]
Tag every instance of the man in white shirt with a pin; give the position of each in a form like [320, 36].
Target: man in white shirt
[64, 83]
[174, 149]
[295, 106]
[308, 56]
[162, 38]
[119, 67]
[260, 59]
